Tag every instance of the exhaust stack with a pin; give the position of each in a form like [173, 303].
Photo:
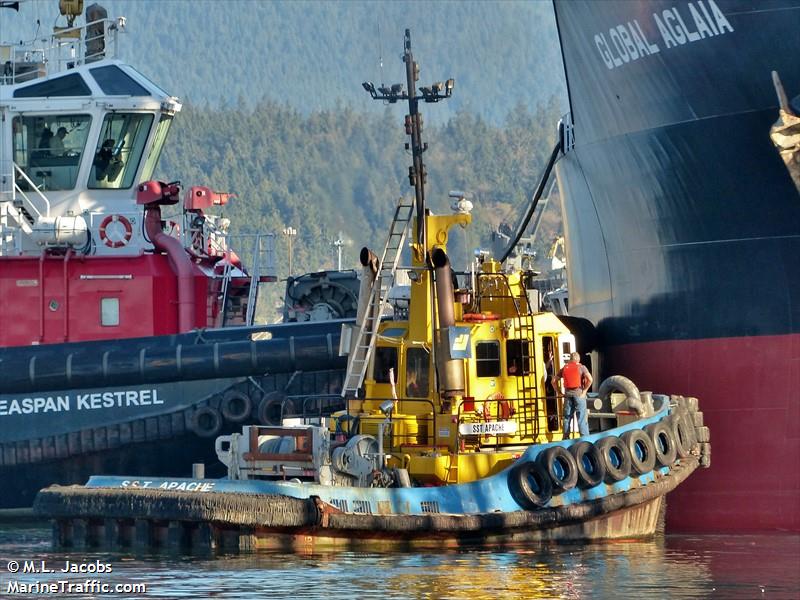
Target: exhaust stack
[451, 370]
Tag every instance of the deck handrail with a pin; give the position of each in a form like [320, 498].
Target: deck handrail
[62, 50]
[18, 190]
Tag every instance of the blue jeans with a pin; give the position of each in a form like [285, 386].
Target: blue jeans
[573, 404]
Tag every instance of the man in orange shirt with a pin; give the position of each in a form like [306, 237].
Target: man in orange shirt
[576, 382]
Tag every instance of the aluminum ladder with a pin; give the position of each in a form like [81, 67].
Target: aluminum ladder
[262, 265]
[368, 329]
[226, 281]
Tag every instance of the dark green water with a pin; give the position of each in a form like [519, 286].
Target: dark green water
[747, 567]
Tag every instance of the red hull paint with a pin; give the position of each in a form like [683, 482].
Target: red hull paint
[748, 389]
[68, 307]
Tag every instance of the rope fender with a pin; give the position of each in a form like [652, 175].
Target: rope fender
[251, 510]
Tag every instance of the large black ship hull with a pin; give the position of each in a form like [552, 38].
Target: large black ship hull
[683, 230]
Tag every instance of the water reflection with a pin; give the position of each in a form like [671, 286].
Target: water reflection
[671, 567]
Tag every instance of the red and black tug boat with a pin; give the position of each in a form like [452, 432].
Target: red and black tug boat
[124, 337]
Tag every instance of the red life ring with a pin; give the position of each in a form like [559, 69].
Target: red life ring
[118, 243]
[477, 317]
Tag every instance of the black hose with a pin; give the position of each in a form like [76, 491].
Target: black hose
[88, 245]
[534, 202]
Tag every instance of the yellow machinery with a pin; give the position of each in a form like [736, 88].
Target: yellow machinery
[467, 376]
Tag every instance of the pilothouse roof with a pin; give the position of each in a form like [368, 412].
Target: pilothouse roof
[108, 78]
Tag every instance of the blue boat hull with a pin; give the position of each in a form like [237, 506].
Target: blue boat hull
[273, 512]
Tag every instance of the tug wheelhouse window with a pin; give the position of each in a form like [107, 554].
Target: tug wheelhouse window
[48, 149]
[162, 129]
[385, 359]
[487, 359]
[114, 82]
[417, 373]
[119, 150]
[68, 85]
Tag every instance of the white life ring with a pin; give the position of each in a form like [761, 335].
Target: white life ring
[126, 236]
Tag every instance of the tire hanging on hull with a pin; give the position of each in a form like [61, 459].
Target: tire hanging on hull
[530, 485]
[236, 406]
[207, 422]
[590, 466]
[616, 458]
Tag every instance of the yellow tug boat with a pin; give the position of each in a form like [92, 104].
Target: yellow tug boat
[452, 432]
[468, 372]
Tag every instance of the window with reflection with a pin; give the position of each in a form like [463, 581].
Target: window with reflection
[119, 150]
[48, 149]
[162, 129]
[417, 373]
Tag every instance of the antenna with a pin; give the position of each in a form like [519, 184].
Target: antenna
[413, 122]
[380, 51]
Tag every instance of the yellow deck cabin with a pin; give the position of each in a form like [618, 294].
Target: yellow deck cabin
[468, 373]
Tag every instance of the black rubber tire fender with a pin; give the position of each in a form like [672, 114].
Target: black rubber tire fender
[236, 406]
[560, 465]
[683, 434]
[206, 422]
[272, 406]
[664, 443]
[616, 458]
[586, 454]
[521, 481]
[641, 449]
